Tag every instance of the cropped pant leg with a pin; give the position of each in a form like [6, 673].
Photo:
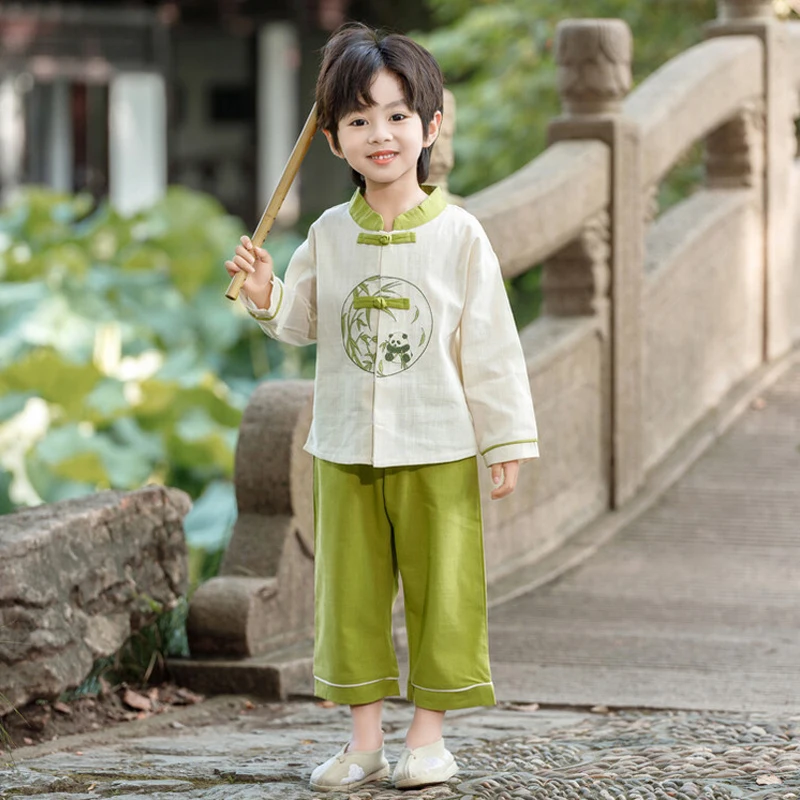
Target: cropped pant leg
[355, 577]
[438, 532]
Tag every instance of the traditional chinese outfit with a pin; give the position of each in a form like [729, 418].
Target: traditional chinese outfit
[419, 369]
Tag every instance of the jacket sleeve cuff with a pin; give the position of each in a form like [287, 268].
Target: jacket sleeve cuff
[511, 451]
[276, 301]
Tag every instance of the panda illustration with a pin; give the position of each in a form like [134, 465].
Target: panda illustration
[397, 347]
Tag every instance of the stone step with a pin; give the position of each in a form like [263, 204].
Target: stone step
[274, 675]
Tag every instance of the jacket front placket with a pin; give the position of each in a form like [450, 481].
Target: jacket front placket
[385, 309]
[376, 423]
[380, 242]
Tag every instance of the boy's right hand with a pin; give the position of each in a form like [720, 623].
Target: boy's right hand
[257, 263]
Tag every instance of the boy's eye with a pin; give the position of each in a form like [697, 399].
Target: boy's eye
[399, 117]
[357, 123]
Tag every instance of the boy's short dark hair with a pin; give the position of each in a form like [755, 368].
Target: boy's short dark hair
[350, 61]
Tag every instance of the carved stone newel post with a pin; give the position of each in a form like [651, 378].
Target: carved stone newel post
[729, 10]
[594, 65]
[250, 627]
[604, 263]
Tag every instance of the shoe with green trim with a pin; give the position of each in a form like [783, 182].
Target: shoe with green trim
[423, 766]
[350, 769]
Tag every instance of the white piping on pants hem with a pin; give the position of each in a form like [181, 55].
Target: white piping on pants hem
[465, 689]
[353, 685]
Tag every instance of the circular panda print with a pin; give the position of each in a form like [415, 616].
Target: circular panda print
[404, 315]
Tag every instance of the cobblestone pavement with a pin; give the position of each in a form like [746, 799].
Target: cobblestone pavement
[504, 753]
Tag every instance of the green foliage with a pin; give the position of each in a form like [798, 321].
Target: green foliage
[143, 656]
[525, 296]
[683, 178]
[121, 363]
[497, 57]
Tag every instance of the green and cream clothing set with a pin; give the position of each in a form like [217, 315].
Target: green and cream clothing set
[418, 365]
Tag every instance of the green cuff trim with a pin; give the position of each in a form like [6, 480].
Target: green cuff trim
[507, 444]
[366, 217]
[357, 695]
[448, 701]
[370, 301]
[382, 239]
[263, 315]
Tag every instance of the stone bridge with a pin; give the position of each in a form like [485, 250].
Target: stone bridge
[657, 328]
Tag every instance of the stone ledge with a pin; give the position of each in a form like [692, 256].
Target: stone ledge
[274, 676]
[77, 578]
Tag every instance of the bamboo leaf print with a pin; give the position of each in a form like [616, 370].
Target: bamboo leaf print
[380, 367]
[422, 339]
[416, 314]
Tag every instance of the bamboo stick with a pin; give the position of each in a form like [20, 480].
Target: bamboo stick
[279, 195]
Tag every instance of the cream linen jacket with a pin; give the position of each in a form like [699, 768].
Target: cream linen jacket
[418, 357]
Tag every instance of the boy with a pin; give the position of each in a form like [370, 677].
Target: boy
[419, 369]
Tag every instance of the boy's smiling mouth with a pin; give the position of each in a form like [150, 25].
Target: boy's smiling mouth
[383, 155]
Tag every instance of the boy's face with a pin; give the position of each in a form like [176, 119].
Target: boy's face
[383, 142]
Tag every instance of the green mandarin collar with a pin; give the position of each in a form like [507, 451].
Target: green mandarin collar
[428, 209]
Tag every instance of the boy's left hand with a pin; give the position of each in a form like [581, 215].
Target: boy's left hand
[504, 477]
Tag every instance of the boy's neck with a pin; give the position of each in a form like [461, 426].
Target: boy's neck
[390, 200]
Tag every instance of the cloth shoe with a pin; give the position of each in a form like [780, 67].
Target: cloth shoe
[424, 765]
[349, 770]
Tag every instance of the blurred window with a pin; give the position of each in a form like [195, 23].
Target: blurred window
[232, 104]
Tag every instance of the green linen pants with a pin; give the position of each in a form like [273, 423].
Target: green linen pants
[425, 523]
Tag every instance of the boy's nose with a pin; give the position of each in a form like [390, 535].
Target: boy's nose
[380, 133]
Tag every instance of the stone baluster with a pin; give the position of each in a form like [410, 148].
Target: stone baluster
[442, 158]
[757, 18]
[650, 203]
[575, 280]
[735, 151]
[594, 75]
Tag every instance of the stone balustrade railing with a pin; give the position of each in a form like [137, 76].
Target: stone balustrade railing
[692, 95]
[649, 320]
[544, 206]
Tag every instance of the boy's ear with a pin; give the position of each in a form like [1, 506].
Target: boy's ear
[434, 126]
[329, 137]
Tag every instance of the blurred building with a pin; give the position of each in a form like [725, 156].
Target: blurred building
[121, 98]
